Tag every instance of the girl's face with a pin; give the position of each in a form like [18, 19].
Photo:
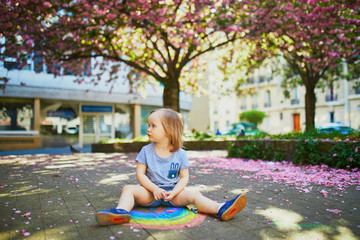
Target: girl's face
[156, 131]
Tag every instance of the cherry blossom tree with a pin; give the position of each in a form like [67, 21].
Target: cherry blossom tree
[313, 36]
[159, 39]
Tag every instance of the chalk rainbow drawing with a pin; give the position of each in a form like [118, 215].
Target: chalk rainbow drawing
[162, 218]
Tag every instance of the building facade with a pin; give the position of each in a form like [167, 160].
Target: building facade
[264, 92]
[39, 110]
[339, 103]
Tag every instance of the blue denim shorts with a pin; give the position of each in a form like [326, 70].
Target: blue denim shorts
[161, 202]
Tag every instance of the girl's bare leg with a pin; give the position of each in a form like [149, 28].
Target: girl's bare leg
[132, 194]
[202, 203]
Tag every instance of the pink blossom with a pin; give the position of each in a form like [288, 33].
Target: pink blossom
[27, 214]
[232, 28]
[29, 42]
[47, 4]
[337, 211]
[334, 155]
[111, 16]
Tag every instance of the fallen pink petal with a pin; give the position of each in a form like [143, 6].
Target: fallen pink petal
[337, 211]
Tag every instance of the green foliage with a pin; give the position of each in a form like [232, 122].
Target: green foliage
[233, 152]
[201, 135]
[278, 155]
[251, 151]
[255, 150]
[312, 134]
[308, 152]
[344, 155]
[341, 154]
[252, 116]
[314, 148]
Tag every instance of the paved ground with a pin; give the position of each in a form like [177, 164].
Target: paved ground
[57, 150]
[49, 196]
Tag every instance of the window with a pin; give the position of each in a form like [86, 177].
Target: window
[54, 69]
[216, 125]
[268, 99]
[122, 121]
[254, 101]
[243, 102]
[85, 70]
[331, 117]
[295, 99]
[38, 62]
[331, 96]
[281, 116]
[15, 64]
[16, 114]
[215, 110]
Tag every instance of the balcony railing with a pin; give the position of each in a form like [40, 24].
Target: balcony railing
[331, 98]
[254, 106]
[295, 101]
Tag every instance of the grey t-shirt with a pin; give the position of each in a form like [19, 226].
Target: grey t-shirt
[164, 172]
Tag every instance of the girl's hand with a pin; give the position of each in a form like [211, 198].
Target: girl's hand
[169, 196]
[159, 193]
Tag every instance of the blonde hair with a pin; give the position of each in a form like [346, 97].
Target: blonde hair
[173, 124]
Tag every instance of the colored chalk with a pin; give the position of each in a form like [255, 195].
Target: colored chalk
[165, 217]
[194, 210]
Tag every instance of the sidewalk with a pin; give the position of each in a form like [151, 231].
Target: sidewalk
[56, 196]
[62, 150]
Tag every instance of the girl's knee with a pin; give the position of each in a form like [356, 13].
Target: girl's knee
[197, 194]
[193, 194]
[127, 188]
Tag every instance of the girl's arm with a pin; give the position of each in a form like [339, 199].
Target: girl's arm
[180, 185]
[146, 183]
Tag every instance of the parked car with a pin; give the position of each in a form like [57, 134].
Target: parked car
[72, 130]
[335, 127]
[237, 129]
[243, 129]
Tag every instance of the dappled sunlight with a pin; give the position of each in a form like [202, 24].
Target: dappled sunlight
[204, 188]
[45, 172]
[60, 166]
[289, 224]
[238, 191]
[206, 154]
[111, 199]
[284, 220]
[345, 233]
[205, 171]
[22, 183]
[24, 191]
[115, 178]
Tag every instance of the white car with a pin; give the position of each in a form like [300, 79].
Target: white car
[72, 130]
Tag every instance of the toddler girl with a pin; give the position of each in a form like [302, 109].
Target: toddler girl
[163, 173]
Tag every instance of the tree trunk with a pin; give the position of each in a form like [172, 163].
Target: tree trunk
[310, 101]
[171, 94]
